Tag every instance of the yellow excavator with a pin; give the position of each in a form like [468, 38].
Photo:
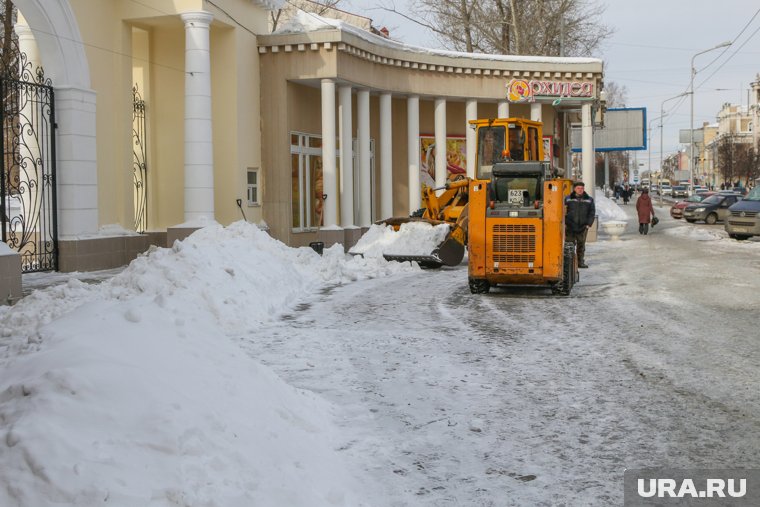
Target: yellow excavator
[510, 217]
[498, 140]
[516, 229]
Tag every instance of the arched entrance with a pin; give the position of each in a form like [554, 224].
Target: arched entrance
[27, 179]
[61, 53]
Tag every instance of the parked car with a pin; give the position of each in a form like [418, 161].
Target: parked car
[665, 188]
[712, 209]
[679, 191]
[676, 211]
[744, 217]
[699, 189]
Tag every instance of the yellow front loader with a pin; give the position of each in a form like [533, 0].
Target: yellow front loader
[516, 233]
[499, 140]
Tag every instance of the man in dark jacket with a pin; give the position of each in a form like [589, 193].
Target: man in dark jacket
[580, 214]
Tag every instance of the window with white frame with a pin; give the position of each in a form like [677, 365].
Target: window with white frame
[253, 186]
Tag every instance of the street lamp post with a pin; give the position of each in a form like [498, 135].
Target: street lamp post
[691, 122]
[662, 115]
[649, 163]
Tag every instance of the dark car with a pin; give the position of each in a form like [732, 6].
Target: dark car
[680, 191]
[744, 217]
[676, 211]
[712, 209]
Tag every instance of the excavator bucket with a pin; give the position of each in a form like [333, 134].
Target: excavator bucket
[434, 236]
[451, 251]
[411, 239]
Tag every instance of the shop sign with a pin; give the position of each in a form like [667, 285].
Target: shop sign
[522, 90]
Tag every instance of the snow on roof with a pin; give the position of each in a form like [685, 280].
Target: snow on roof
[304, 22]
[272, 5]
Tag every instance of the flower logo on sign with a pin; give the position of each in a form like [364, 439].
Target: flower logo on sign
[518, 90]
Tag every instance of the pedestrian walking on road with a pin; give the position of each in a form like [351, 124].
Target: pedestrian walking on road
[645, 210]
[627, 193]
[581, 212]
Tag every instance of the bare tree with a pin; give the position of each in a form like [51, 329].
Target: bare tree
[728, 157]
[617, 95]
[753, 169]
[512, 27]
[748, 164]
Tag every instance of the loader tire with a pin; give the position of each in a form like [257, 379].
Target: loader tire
[478, 286]
[568, 270]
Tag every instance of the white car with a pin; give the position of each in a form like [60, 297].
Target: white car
[666, 189]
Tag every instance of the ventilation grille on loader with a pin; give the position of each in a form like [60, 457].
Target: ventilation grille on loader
[514, 243]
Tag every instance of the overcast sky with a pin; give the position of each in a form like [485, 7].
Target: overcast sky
[650, 54]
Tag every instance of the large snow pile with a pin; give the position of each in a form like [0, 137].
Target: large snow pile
[607, 210]
[412, 238]
[134, 392]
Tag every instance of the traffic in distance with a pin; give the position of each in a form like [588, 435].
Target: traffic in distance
[737, 208]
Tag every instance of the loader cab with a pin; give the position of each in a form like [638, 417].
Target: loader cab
[492, 148]
[504, 140]
[517, 184]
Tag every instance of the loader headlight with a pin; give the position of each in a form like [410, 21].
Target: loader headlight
[514, 214]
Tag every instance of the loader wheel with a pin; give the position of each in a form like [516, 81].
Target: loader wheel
[478, 286]
[568, 270]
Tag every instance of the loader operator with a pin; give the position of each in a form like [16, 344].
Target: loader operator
[581, 212]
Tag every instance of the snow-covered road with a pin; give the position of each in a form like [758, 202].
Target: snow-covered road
[523, 398]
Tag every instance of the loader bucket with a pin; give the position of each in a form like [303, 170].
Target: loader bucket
[425, 261]
[448, 252]
[408, 239]
[451, 251]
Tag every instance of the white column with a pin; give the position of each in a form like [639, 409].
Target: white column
[587, 148]
[346, 163]
[471, 113]
[77, 169]
[440, 142]
[329, 168]
[199, 152]
[413, 151]
[503, 109]
[535, 111]
[386, 157]
[362, 132]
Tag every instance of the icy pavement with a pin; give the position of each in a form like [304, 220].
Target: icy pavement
[257, 374]
[522, 398]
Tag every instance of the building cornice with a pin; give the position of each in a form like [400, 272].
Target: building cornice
[585, 69]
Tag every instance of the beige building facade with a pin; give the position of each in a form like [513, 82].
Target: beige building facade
[174, 114]
[330, 87]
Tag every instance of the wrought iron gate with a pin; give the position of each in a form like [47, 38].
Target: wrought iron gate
[139, 162]
[27, 179]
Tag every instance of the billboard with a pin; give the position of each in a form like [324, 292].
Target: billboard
[684, 136]
[624, 129]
